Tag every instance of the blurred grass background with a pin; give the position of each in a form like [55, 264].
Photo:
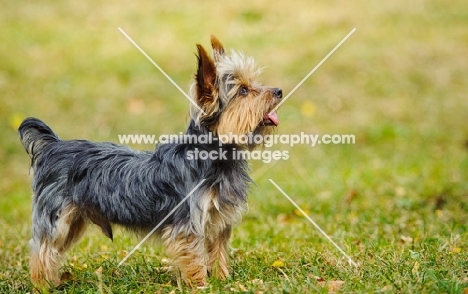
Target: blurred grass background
[396, 200]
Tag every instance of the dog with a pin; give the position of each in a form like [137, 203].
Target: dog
[79, 182]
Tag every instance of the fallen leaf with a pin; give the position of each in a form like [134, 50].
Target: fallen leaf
[455, 250]
[117, 273]
[242, 287]
[415, 268]
[350, 196]
[335, 286]
[105, 256]
[299, 213]
[283, 218]
[317, 278]
[278, 264]
[257, 282]
[406, 239]
[387, 288]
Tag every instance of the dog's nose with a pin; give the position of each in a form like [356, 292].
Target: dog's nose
[278, 92]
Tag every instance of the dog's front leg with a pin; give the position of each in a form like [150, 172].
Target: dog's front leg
[188, 252]
[218, 254]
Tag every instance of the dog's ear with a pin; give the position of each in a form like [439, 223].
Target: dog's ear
[205, 80]
[218, 49]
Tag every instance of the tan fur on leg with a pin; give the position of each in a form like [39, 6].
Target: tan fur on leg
[189, 256]
[46, 256]
[218, 255]
[44, 265]
[70, 228]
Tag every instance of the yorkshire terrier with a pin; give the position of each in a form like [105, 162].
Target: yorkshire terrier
[78, 182]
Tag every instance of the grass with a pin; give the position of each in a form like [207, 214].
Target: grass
[396, 201]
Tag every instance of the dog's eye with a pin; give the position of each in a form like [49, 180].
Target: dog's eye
[244, 91]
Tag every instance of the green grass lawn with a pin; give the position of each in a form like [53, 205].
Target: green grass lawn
[396, 201]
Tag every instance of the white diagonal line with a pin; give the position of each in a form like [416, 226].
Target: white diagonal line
[160, 223]
[313, 70]
[161, 70]
[315, 224]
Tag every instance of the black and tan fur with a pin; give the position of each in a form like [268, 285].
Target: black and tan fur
[78, 182]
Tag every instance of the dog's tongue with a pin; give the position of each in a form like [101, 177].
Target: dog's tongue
[273, 117]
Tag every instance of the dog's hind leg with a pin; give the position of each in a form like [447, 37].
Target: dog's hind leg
[51, 240]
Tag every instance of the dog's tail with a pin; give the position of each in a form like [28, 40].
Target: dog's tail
[35, 136]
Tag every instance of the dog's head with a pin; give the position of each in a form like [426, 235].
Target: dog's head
[230, 99]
